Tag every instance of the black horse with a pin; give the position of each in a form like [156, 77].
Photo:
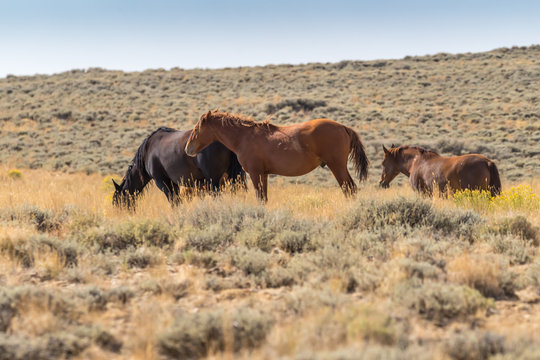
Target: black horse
[161, 157]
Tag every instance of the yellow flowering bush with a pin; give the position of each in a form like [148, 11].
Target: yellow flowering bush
[14, 174]
[519, 197]
[479, 200]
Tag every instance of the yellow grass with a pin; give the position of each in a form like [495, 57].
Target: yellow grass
[363, 320]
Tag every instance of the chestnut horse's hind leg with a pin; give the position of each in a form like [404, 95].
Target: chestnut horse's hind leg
[343, 178]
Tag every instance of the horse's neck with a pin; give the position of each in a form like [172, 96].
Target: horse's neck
[230, 135]
[415, 159]
[138, 179]
[409, 160]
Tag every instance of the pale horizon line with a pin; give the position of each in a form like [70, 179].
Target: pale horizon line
[169, 68]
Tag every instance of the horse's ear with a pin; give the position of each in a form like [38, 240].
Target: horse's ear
[385, 149]
[393, 146]
[206, 116]
[116, 186]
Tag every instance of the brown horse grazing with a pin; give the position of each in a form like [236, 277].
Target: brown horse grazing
[293, 150]
[425, 168]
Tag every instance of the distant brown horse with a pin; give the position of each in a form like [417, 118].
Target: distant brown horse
[293, 150]
[425, 168]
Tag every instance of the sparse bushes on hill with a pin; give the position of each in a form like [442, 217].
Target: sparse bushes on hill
[411, 213]
[441, 302]
[25, 250]
[193, 336]
[487, 274]
[445, 94]
[125, 235]
[295, 105]
[475, 345]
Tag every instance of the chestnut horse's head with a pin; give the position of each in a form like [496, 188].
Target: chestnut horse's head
[390, 166]
[201, 135]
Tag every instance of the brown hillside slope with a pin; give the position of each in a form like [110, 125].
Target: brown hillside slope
[94, 120]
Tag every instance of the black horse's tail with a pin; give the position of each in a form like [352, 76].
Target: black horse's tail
[494, 179]
[236, 172]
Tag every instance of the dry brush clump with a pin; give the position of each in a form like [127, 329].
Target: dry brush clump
[192, 336]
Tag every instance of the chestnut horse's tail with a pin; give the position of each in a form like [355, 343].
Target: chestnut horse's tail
[358, 155]
[494, 179]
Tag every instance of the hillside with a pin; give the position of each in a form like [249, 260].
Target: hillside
[386, 274]
[94, 120]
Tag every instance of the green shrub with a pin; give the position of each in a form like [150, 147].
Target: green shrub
[57, 345]
[206, 259]
[141, 258]
[519, 251]
[211, 238]
[24, 250]
[441, 302]
[398, 212]
[13, 299]
[94, 298]
[193, 336]
[475, 345]
[129, 234]
[256, 234]
[519, 226]
[410, 213]
[420, 270]
[43, 220]
[373, 244]
[458, 223]
[250, 261]
[278, 276]
[294, 241]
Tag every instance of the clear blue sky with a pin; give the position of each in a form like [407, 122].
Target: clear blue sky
[39, 36]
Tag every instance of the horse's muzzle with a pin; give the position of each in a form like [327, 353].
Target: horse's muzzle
[384, 185]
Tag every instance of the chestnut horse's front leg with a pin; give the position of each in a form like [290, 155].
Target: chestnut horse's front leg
[260, 183]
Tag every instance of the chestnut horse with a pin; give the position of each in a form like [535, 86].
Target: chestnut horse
[292, 150]
[426, 168]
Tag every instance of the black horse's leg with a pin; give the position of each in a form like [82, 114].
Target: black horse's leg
[169, 188]
[175, 194]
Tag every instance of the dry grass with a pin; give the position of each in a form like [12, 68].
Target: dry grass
[332, 285]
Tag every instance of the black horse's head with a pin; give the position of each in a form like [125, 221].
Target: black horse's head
[123, 196]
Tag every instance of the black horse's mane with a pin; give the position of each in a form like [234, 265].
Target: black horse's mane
[138, 159]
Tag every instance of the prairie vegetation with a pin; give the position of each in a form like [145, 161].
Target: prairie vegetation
[387, 274]
[311, 275]
[93, 120]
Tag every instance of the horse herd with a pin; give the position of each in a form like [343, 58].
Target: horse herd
[223, 147]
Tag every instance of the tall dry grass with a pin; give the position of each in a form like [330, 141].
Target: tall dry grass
[311, 272]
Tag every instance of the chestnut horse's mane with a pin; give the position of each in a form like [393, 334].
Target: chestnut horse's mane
[422, 150]
[233, 120]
